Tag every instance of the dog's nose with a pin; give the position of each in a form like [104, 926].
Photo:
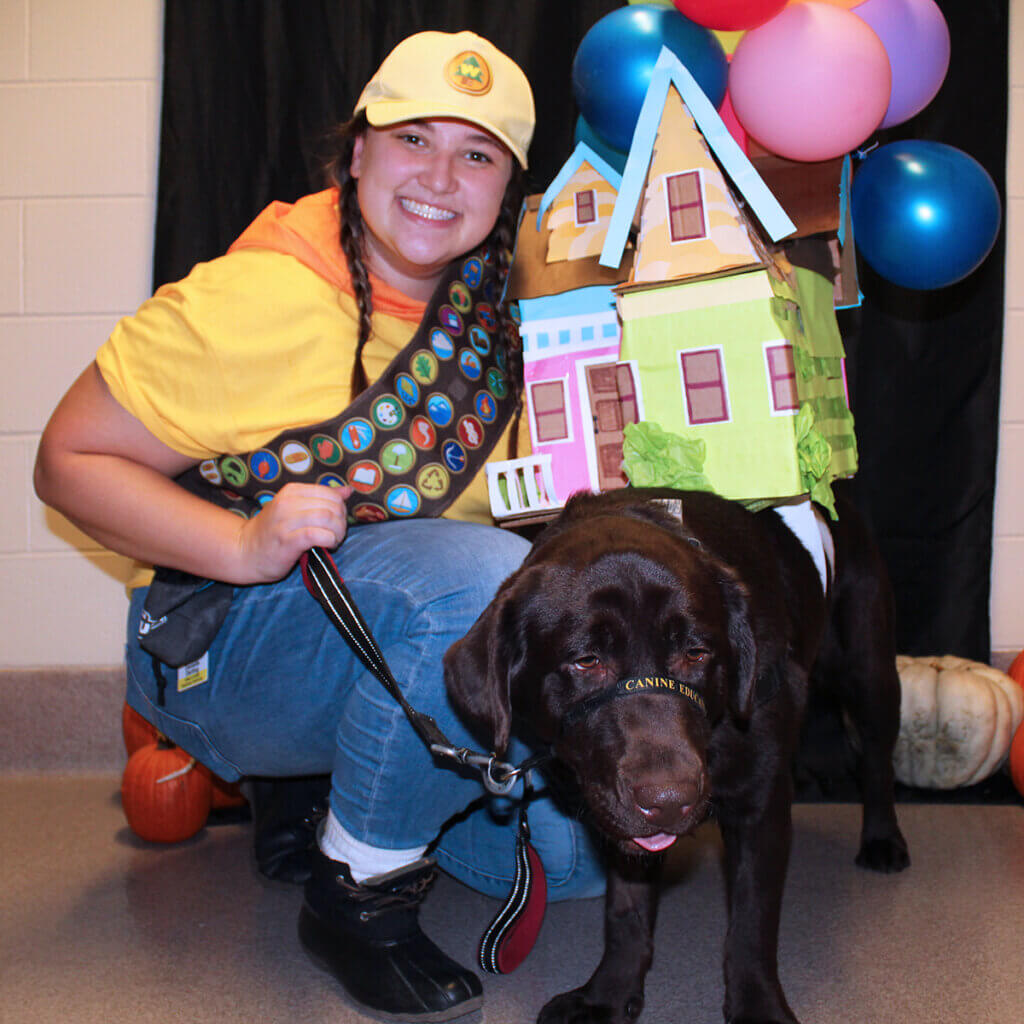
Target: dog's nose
[664, 804]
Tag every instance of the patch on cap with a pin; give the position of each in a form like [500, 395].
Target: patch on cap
[469, 72]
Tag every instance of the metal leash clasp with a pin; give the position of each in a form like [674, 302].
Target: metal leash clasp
[499, 777]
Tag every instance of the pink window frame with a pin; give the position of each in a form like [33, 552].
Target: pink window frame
[698, 203]
[592, 195]
[719, 385]
[774, 377]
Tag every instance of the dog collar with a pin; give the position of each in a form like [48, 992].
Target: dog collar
[627, 688]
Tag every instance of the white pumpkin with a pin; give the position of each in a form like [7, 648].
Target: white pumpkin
[957, 720]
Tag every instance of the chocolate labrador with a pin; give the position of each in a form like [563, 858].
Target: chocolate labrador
[664, 651]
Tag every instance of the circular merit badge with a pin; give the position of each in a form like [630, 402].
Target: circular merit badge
[469, 364]
[365, 476]
[486, 317]
[356, 435]
[450, 320]
[233, 470]
[330, 480]
[367, 512]
[422, 433]
[423, 366]
[485, 406]
[387, 412]
[264, 465]
[454, 456]
[470, 432]
[432, 481]
[402, 500]
[440, 409]
[443, 346]
[407, 389]
[497, 383]
[479, 339]
[397, 456]
[210, 473]
[297, 458]
[473, 271]
[325, 449]
[459, 295]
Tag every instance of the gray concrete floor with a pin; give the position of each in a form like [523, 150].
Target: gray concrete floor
[97, 927]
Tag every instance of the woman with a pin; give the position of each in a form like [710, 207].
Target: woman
[231, 388]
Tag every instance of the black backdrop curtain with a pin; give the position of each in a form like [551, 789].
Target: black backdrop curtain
[251, 86]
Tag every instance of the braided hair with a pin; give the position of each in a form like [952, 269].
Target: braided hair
[501, 242]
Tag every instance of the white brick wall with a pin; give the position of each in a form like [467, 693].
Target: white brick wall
[79, 107]
[79, 98]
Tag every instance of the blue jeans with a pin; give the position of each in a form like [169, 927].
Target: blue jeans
[284, 695]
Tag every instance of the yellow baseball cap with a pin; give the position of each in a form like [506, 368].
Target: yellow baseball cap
[460, 75]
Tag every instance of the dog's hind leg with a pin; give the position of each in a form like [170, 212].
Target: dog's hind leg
[859, 662]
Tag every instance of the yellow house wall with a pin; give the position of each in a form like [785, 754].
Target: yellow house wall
[567, 240]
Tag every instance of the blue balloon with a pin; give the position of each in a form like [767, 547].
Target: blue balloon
[615, 60]
[584, 133]
[925, 214]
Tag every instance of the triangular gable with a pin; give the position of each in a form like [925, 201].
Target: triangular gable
[582, 153]
[669, 71]
[690, 224]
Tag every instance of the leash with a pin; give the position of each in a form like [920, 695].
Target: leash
[512, 933]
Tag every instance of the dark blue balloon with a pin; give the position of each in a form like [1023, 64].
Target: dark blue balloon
[924, 214]
[615, 60]
[584, 133]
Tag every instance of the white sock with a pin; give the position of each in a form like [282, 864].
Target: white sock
[363, 861]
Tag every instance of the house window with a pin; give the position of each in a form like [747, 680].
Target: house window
[781, 378]
[685, 199]
[586, 207]
[549, 411]
[704, 386]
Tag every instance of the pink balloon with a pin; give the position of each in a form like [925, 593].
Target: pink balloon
[728, 116]
[916, 38]
[811, 84]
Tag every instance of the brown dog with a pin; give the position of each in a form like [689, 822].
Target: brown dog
[666, 659]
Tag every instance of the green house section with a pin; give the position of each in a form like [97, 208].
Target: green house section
[756, 454]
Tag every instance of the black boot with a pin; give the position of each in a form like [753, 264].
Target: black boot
[368, 936]
[285, 816]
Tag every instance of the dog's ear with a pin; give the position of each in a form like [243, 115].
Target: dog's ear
[480, 669]
[743, 671]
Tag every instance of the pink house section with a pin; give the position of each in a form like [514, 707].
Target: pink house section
[569, 340]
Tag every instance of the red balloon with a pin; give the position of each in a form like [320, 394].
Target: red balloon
[729, 15]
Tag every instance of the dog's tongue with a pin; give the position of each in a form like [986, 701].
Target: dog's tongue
[656, 843]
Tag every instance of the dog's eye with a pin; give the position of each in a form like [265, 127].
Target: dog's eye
[696, 654]
[588, 661]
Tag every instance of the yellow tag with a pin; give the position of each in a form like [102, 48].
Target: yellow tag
[194, 673]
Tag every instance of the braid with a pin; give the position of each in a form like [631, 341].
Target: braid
[338, 174]
[502, 243]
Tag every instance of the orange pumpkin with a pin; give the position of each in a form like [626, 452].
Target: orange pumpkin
[1016, 759]
[225, 794]
[1016, 669]
[165, 793]
[137, 732]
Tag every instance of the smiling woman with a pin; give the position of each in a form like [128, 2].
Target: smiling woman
[231, 424]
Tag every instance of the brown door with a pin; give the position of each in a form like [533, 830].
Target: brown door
[612, 405]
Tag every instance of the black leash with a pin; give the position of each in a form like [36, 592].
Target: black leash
[324, 582]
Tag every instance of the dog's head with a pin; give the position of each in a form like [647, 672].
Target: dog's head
[609, 599]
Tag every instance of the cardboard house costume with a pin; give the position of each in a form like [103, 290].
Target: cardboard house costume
[669, 338]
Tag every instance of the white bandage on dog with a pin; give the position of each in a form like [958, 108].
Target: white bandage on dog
[807, 523]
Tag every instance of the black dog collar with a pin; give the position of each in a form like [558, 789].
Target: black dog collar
[628, 688]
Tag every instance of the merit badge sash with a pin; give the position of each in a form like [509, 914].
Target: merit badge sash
[408, 445]
[415, 438]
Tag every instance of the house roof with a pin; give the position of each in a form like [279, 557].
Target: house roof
[580, 155]
[668, 71]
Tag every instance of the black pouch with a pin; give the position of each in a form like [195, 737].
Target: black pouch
[181, 616]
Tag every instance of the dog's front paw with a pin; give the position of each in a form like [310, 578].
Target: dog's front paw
[575, 1008]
